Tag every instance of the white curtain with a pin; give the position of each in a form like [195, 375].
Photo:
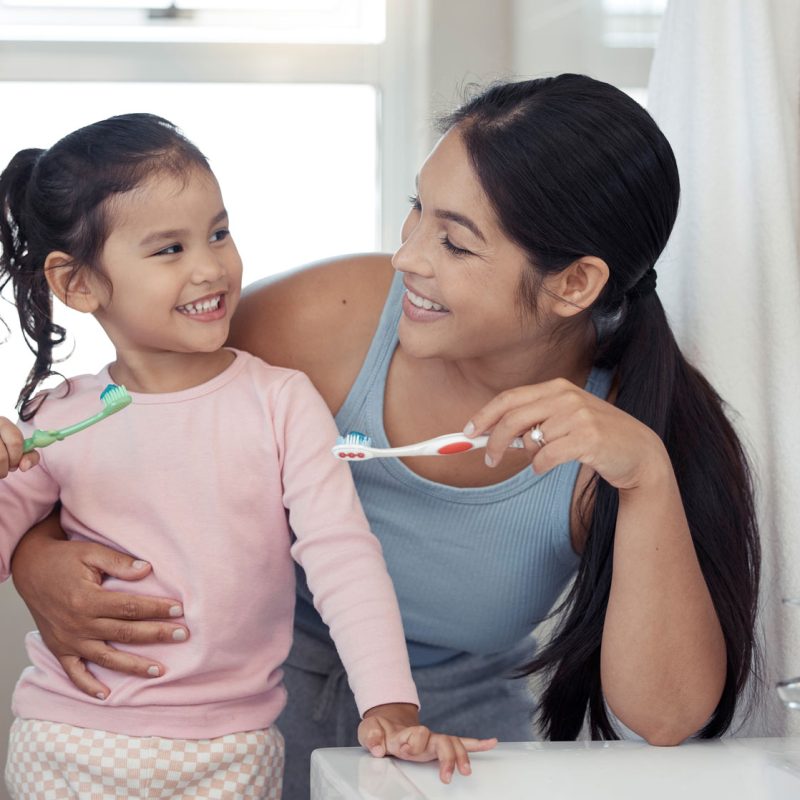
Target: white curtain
[725, 88]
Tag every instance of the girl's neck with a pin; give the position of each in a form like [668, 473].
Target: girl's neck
[159, 373]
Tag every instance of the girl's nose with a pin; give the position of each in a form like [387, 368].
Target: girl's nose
[207, 268]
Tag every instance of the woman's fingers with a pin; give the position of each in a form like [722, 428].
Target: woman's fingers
[78, 673]
[107, 561]
[144, 632]
[108, 657]
[132, 607]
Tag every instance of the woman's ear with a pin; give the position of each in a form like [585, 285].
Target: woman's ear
[579, 285]
[73, 285]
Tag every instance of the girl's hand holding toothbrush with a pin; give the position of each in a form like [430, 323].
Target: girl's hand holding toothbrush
[394, 729]
[11, 444]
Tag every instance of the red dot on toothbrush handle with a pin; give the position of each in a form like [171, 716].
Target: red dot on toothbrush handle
[455, 447]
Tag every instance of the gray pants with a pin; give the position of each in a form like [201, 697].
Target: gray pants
[468, 695]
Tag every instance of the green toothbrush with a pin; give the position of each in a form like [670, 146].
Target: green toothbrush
[114, 398]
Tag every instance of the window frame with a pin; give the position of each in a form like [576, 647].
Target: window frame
[401, 86]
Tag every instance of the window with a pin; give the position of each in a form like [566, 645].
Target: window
[311, 140]
[306, 21]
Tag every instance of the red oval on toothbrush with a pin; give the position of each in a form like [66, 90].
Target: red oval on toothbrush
[455, 447]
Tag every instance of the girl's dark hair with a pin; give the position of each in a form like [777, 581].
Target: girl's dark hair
[56, 199]
[574, 167]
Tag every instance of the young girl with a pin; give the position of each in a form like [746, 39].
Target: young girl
[219, 473]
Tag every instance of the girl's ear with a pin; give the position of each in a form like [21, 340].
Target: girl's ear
[579, 284]
[73, 285]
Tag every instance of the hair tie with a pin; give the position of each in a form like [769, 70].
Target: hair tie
[645, 285]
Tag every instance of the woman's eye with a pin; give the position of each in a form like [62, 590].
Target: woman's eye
[451, 248]
[415, 203]
[220, 235]
[172, 250]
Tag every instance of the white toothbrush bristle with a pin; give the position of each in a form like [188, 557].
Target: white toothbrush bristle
[355, 437]
[114, 395]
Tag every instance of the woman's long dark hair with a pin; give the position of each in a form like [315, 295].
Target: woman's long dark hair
[55, 200]
[574, 167]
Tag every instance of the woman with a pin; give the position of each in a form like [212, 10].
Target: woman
[523, 303]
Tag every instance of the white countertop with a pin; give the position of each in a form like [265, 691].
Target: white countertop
[732, 769]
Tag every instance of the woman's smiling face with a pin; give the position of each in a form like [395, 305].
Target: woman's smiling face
[461, 271]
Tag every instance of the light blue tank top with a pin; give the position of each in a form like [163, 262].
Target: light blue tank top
[475, 569]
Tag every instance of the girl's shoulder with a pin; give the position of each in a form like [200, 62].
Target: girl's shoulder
[58, 406]
[319, 319]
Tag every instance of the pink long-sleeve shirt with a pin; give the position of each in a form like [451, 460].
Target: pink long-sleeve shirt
[208, 484]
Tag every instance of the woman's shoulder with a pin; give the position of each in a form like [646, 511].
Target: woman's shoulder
[319, 319]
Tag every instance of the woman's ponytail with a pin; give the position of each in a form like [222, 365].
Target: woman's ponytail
[661, 389]
[23, 267]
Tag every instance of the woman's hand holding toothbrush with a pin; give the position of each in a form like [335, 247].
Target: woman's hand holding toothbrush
[394, 729]
[11, 443]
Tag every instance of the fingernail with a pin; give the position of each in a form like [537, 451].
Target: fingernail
[139, 564]
[376, 751]
[100, 696]
[489, 460]
[469, 428]
[154, 671]
[179, 635]
[176, 611]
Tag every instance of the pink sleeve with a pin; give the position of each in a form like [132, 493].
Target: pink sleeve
[25, 499]
[342, 559]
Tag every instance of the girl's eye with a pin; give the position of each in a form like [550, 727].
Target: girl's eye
[415, 203]
[220, 235]
[451, 248]
[172, 250]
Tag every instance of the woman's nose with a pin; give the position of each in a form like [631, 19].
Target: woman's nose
[411, 256]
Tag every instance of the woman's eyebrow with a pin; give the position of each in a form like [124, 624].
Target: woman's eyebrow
[454, 216]
[460, 219]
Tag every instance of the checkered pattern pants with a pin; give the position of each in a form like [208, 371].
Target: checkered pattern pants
[51, 761]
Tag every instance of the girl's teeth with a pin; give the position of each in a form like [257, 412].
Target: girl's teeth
[201, 308]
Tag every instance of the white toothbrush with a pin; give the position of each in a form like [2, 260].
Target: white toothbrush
[357, 445]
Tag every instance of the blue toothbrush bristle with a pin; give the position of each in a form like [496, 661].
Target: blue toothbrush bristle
[355, 437]
[114, 394]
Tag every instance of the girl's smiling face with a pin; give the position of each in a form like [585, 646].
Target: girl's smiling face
[174, 271]
[462, 273]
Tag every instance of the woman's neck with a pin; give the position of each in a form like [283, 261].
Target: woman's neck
[483, 378]
[158, 373]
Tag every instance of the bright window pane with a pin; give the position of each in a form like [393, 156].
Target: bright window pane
[306, 21]
[297, 165]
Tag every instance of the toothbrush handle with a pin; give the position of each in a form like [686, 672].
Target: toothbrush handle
[41, 439]
[440, 446]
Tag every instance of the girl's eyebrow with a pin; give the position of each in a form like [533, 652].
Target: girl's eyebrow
[177, 233]
[454, 216]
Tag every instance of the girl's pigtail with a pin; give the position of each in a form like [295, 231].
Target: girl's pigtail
[659, 387]
[23, 267]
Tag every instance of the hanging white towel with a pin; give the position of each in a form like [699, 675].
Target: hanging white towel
[725, 88]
